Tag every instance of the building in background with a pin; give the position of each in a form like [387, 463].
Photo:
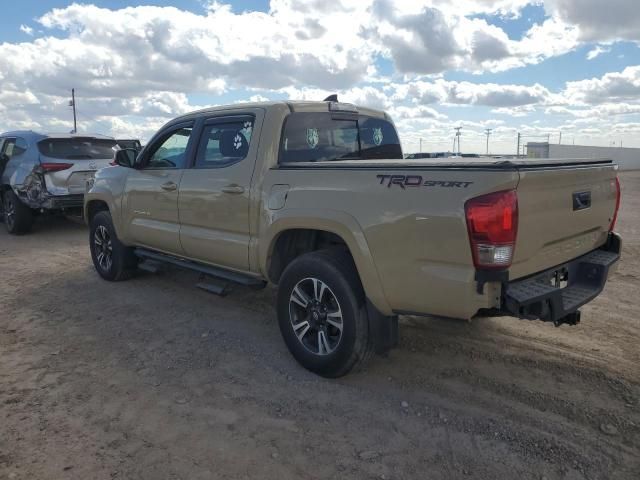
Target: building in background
[626, 158]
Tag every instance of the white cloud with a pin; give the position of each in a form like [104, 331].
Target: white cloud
[597, 51]
[26, 29]
[597, 20]
[468, 93]
[612, 86]
[136, 67]
[520, 111]
[400, 113]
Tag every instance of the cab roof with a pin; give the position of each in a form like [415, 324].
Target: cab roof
[292, 105]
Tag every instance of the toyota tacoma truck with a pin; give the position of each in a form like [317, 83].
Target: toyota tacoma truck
[316, 198]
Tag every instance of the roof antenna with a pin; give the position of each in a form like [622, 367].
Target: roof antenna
[331, 98]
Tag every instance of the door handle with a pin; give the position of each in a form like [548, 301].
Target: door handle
[169, 186]
[233, 189]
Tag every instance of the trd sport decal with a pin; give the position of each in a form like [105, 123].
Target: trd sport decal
[405, 181]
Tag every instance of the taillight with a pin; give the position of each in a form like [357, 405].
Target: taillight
[492, 222]
[615, 213]
[54, 167]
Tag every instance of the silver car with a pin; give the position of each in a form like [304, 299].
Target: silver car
[47, 173]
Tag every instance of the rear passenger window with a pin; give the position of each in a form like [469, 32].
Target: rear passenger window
[224, 143]
[317, 137]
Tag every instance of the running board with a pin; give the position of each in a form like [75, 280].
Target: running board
[216, 272]
[220, 289]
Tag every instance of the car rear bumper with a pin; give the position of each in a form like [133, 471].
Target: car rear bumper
[47, 201]
[555, 295]
[64, 202]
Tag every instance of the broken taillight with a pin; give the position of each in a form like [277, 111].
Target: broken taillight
[48, 167]
[615, 213]
[492, 223]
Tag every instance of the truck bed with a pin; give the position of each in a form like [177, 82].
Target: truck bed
[412, 214]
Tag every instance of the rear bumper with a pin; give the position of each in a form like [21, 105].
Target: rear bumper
[51, 202]
[62, 202]
[540, 297]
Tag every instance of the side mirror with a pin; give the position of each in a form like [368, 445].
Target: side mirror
[126, 157]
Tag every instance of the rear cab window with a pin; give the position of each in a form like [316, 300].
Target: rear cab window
[322, 137]
[77, 148]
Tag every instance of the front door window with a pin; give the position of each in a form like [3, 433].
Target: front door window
[171, 153]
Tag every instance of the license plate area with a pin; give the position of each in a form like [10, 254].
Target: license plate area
[78, 181]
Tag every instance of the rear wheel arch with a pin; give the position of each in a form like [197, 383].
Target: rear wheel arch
[292, 243]
[312, 234]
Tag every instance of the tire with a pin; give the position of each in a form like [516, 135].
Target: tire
[112, 260]
[320, 346]
[18, 218]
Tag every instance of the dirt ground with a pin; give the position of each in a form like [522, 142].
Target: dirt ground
[155, 379]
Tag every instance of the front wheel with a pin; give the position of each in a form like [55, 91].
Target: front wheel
[322, 314]
[112, 260]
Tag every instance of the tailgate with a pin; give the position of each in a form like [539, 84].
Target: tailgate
[72, 180]
[562, 213]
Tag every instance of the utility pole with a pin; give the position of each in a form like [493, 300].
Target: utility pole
[457, 129]
[420, 144]
[72, 103]
[560, 140]
[488, 132]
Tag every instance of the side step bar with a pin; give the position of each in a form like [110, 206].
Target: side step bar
[216, 272]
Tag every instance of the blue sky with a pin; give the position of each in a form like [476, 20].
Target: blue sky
[511, 65]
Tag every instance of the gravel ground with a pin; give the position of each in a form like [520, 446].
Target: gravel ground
[155, 379]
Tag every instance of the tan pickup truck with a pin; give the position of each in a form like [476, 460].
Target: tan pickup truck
[316, 198]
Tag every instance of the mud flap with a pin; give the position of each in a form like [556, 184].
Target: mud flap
[383, 330]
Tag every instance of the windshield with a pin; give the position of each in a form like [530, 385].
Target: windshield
[77, 148]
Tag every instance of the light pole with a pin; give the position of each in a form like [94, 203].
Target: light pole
[457, 129]
[488, 132]
[72, 103]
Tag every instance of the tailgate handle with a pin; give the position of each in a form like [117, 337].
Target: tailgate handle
[581, 200]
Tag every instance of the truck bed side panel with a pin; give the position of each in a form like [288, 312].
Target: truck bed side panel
[414, 225]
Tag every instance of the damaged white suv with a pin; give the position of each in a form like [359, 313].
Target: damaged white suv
[47, 173]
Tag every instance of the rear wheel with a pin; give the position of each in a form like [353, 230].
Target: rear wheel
[113, 260]
[322, 314]
[18, 218]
